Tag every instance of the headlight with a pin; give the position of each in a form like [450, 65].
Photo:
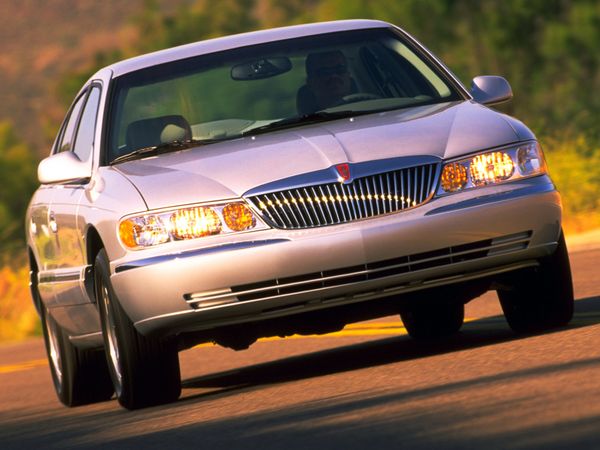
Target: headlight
[490, 168]
[147, 230]
[494, 167]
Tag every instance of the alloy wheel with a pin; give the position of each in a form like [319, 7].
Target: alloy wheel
[113, 348]
[54, 349]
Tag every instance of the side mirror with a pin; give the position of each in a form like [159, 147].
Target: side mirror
[490, 89]
[63, 167]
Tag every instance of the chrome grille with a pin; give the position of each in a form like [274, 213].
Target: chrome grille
[335, 203]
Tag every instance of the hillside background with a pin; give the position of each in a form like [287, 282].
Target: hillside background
[43, 41]
[547, 49]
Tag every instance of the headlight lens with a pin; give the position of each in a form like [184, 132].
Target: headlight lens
[493, 167]
[490, 168]
[192, 223]
[152, 229]
[530, 160]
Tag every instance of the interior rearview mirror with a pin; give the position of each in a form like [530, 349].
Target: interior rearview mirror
[261, 68]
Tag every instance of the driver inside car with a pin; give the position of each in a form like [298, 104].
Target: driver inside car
[327, 78]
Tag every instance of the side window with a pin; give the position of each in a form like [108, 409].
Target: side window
[68, 134]
[84, 140]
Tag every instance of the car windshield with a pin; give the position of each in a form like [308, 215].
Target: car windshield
[262, 88]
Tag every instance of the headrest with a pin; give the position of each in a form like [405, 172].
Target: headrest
[157, 130]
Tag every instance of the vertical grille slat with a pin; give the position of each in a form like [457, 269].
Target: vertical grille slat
[389, 192]
[283, 206]
[383, 195]
[416, 181]
[273, 207]
[341, 204]
[310, 206]
[430, 186]
[421, 191]
[335, 203]
[296, 212]
[396, 193]
[403, 190]
[349, 201]
[356, 200]
[368, 198]
[317, 200]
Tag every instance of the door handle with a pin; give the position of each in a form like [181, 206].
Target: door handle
[52, 222]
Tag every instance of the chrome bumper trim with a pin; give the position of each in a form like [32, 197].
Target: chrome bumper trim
[356, 274]
[189, 320]
[197, 252]
[497, 197]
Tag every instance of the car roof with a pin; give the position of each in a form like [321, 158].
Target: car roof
[239, 40]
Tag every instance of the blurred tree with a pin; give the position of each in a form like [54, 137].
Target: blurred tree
[17, 172]
[547, 49]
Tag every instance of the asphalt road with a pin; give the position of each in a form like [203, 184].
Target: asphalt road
[369, 386]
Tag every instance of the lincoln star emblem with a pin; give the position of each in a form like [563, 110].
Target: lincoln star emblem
[344, 171]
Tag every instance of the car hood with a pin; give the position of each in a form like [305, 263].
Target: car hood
[229, 169]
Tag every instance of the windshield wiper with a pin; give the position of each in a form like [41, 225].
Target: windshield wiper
[306, 119]
[165, 147]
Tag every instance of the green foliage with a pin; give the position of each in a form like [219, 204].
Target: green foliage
[574, 165]
[547, 49]
[17, 172]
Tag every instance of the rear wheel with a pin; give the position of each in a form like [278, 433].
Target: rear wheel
[80, 376]
[541, 299]
[433, 321]
[144, 370]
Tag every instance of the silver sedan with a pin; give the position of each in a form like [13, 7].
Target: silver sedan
[283, 181]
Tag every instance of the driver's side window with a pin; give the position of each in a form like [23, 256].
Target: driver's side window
[67, 136]
[80, 126]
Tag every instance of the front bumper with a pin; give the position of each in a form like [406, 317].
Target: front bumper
[275, 273]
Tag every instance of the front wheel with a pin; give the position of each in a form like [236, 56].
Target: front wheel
[541, 299]
[144, 370]
[80, 376]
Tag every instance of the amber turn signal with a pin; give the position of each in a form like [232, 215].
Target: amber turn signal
[238, 217]
[454, 177]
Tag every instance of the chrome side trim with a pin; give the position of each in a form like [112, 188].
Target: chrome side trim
[59, 277]
[197, 252]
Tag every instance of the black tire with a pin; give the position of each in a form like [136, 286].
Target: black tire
[144, 370]
[80, 376]
[433, 321]
[543, 298]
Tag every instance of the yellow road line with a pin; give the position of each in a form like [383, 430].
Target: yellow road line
[352, 330]
[377, 329]
[23, 366]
